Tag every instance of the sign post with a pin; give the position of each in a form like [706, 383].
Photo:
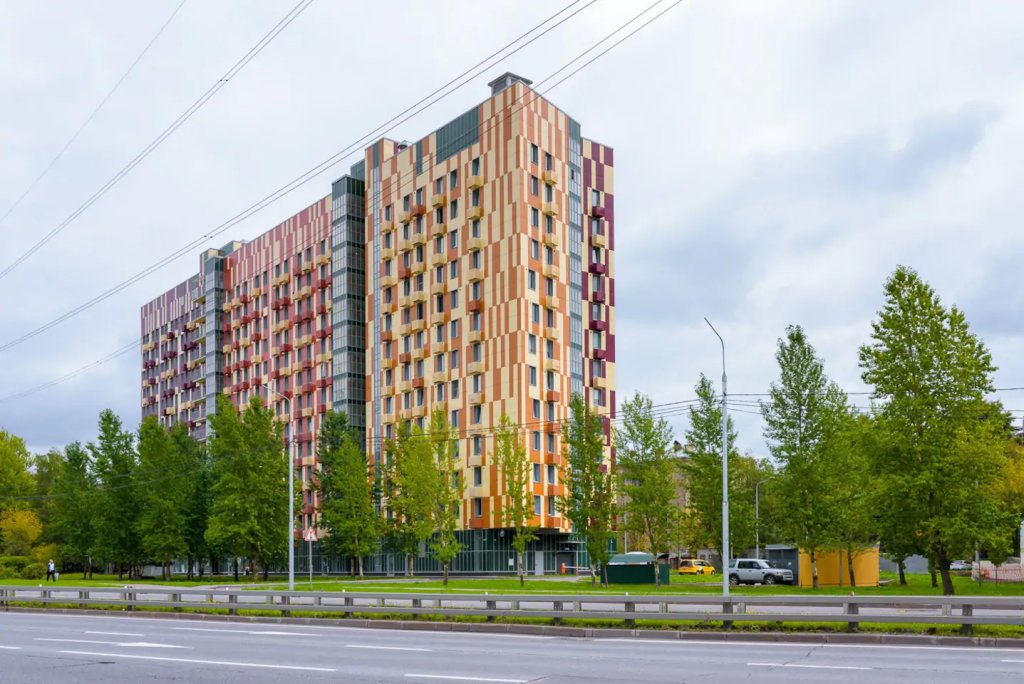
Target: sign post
[310, 537]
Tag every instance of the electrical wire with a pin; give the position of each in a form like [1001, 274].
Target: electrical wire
[92, 115]
[166, 133]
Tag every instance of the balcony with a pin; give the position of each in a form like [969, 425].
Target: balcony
[475, 213]
[387, 252]
[417, 383]
[281, 280]
[551, 239]
[550, 209]
[406, 217]
[303, 341]
[551, 332]
[597, 210]
[306, 364]
[284, 348]
[321, 334]
[417, 325]
[307, 412]
[601, 354]
[599, 381]
[322, 309]
[285, 372]
[438, 200]
[551, 364]
[323, 383]
[418, 296]
[275, 374]
[550, 178]
[476, 367]
[323, 259]
[550, 301]
[600, 269]
[474, 274]
[597, 296]
[475, 305]
[417, 411]
[477, 398]
[405, 357]
[598, 325]
[475, 182]
[245, 342]
[474, 336]
[281, 303]
[438, 288]
[418, 210]
[598, 240]
[388, 279]
[303, 292]
[323, 408]
[552, 427]
[403, 386]
[476, 243]
[418, 239]
[387, 362]
[387, 226]
[438, 230]
[552, 395]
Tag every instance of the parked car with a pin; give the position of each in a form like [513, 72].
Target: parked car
[695, 566]
[960, 566]
[757, 571]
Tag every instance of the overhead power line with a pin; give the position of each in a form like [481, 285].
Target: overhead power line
[92, 115]
[166, 133]
[334, 159]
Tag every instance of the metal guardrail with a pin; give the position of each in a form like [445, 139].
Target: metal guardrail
[852, 610]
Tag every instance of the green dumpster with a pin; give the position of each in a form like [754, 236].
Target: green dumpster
[635, 567]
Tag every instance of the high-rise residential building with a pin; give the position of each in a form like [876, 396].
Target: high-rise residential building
[470, 271]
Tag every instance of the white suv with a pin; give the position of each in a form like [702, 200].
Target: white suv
[757, 571]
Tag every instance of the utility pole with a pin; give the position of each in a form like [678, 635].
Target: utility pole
[725, 469]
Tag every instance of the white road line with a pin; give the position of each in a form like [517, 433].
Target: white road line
[131, 634]
[465, 679]
[10, 648]
[390, 648]
[260, 632]
[1011, 661]
[809, 667]
[121, 644]
[228, 663]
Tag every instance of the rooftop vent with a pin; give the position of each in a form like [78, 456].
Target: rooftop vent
[506, 80]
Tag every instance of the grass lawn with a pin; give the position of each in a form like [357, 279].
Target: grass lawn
[75, 580]
[917, 585]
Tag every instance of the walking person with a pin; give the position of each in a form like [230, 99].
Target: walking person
[51, 571]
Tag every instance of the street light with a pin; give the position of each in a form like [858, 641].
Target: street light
[291, 503]
[725, 469]
[757, 517]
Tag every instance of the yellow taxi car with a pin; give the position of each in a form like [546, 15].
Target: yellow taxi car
[695, 566]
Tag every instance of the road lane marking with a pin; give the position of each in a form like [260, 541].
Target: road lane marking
[809, 667]
[10, 648]
[121, 644]
[131, 634]
[261, 632]
[390, 648]
[465, 679]
[1011, 661]
[228, 663]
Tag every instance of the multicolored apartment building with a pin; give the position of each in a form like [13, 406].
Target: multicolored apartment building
[471, 271]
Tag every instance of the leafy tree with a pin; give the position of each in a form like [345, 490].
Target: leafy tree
[646, 476]
[46, 467]
[412, 488]
[19, 529]
[702, 471]
[345, 484]
[444, 443]
[802, 409]
[117, 506]
[162, 520]
[851, 523]
[191, 457]
[589, 501]
[250, 475]
[930, 374]
[72, 509]
[517, 502]
[15, 479]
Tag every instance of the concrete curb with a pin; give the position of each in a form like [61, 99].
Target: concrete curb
[862, 638]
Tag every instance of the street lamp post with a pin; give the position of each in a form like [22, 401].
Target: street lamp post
[291, 503]
[757, 517]
[725, 469]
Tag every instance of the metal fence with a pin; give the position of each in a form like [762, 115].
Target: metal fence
[851, 610]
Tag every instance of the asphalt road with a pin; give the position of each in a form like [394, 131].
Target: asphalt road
[47, 647]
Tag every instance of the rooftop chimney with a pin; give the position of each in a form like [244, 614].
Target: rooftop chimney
[506, 80]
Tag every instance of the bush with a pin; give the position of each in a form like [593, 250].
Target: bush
[33, 571]
[16, 563]
[7, 572]
[44, 552]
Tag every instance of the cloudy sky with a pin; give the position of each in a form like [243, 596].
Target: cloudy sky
[775, 161]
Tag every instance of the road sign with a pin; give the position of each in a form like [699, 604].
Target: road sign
[310, 535]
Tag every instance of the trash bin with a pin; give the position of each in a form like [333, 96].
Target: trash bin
[635, 567]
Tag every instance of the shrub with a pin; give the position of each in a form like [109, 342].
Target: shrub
[44, 552]
[16, 563]
[7, 572]
[33, 571]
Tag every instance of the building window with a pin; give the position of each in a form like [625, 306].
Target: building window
[454, 331]
[535, 313]
[534, 217]
[537, 505]
[536, 409]
[536, 440]
[536, 472]
[455, 389]
[549, 162]
[419, 195]
[531, 343]
[551, 443]
[533, 375]
[595, 198]
[474, 229]
[453, 181]
[453, 211]
[387, 213]
[478, 507]
[453, 241]
[455, 299]
[531, 279]
[552, 477]
[534, 153]
[474, 197]
[478, 445]
[551, 506]
[474, 167]
[534, 185]
[478, 415]
[534, 249]
[439, 215]
[478, 476]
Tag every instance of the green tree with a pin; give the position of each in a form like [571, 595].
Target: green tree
[412, 491]
[73, 508]
[15, 479]
[444, 444]
[589, 500]
[851, 500]
[702, 471]
[19, 530]
[347, 498]
[250, 491]
[646, 479]
[930, 374]
[516, 510]
[191, 457]
[802, 410]
[117, 506]
[162, 521]
[46, 468]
